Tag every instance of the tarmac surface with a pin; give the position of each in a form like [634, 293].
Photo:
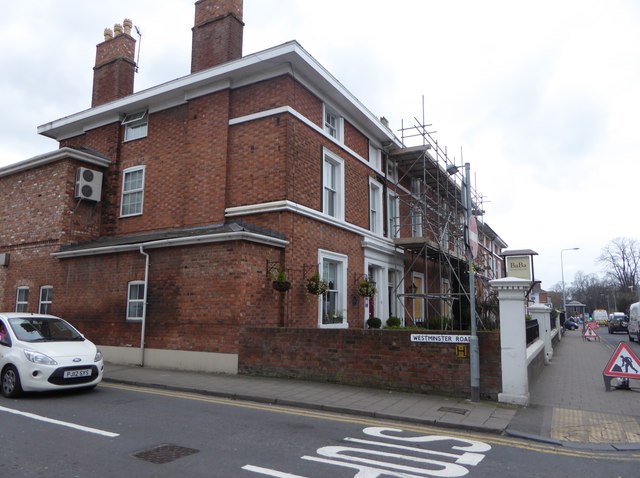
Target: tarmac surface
[569, 405]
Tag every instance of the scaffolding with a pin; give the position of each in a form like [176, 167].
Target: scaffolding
[429, 225]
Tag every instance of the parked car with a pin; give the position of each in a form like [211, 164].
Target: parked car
[571, 324]
[43, 352]
[618, 322]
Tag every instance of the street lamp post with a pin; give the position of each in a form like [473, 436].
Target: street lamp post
[474, 349]
[564, 295]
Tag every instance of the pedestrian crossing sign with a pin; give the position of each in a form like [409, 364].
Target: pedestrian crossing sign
[623, 363]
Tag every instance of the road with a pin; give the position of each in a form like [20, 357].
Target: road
[123, 431]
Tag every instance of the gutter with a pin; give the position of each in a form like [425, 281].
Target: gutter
[144, 303]
[175, 242]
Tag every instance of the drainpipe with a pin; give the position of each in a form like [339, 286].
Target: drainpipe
[144, 303]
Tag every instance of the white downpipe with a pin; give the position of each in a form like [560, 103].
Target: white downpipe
[144, 303]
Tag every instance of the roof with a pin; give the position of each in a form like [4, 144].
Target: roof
[288, 58]
[519, 252]
[173, 238]
[82, 154]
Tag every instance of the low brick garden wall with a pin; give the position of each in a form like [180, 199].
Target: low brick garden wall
[377, 358]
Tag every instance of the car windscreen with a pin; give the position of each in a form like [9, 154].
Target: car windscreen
[30, 329]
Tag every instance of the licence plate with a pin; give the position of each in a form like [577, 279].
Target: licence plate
[85, 372]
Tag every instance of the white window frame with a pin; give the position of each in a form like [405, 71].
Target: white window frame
[392, 171]
[393, 215]
[22, 305]
[339, 290]
[446, 302]
[376, 219]
[394, 303]
[136, 125]
[444, 209]
[135, 301]
[333, 196]
[332, 123]
[375, 157]
[132, 191]
[46, 299]
[418, 302]
[416, 221]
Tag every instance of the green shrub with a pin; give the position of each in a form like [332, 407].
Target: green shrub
[393, 321]
[374, 323]
[438, 323]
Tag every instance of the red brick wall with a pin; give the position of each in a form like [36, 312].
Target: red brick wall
[34, 204]
[217, 33]
[355, 140]
[378, 358]
[199, 297]
[114, 72]
[185, 159]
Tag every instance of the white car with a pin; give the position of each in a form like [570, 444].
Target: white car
[43, 352]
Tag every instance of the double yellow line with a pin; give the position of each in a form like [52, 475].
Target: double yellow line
[366, 421]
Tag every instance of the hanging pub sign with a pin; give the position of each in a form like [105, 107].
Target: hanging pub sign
[519, 263]
[519, 266]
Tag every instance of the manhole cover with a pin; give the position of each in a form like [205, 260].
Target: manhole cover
[164, 453]
[459, 411]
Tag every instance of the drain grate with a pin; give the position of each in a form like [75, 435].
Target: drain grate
[459, 411]
[164, 453]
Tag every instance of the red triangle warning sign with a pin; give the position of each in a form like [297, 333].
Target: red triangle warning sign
[623, 363]
[590, 334]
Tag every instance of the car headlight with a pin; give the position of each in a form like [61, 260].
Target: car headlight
[98, 356]
[37, 357]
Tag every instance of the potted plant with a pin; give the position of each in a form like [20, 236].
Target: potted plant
[335, 318]
[393, 321]
[374, 323]
[315, 285]
[281, 283]
[366, 288]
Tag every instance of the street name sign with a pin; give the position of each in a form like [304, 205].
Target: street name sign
[441, 338]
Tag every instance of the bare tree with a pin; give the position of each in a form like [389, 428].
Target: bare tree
[621, 259]
[590, 290]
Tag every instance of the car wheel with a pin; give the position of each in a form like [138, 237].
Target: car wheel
[11, 387]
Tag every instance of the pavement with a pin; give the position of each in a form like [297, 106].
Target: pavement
[568, 407]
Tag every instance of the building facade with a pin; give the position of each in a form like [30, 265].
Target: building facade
[161, 222]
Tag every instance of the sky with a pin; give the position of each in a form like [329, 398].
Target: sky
[541, 97]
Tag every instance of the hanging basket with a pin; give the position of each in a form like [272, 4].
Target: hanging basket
[281, 286]
[366, 288]
[316, 286]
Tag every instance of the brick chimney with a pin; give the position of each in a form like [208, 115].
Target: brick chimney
[217, 33]
[115, 65]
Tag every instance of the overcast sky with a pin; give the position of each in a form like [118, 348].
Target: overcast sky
[540, 97]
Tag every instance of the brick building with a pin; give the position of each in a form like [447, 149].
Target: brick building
[159, 224]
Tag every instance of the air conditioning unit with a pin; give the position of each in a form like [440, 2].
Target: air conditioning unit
[88, 184]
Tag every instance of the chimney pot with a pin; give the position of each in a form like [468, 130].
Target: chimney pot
[127, 25]
[114, 71]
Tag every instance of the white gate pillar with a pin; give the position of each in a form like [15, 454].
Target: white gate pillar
[543, 314]
[513, 342]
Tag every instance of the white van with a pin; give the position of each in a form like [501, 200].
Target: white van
[633, 328]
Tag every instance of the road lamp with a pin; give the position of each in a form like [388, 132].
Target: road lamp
[474, 349]
[564, 295]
